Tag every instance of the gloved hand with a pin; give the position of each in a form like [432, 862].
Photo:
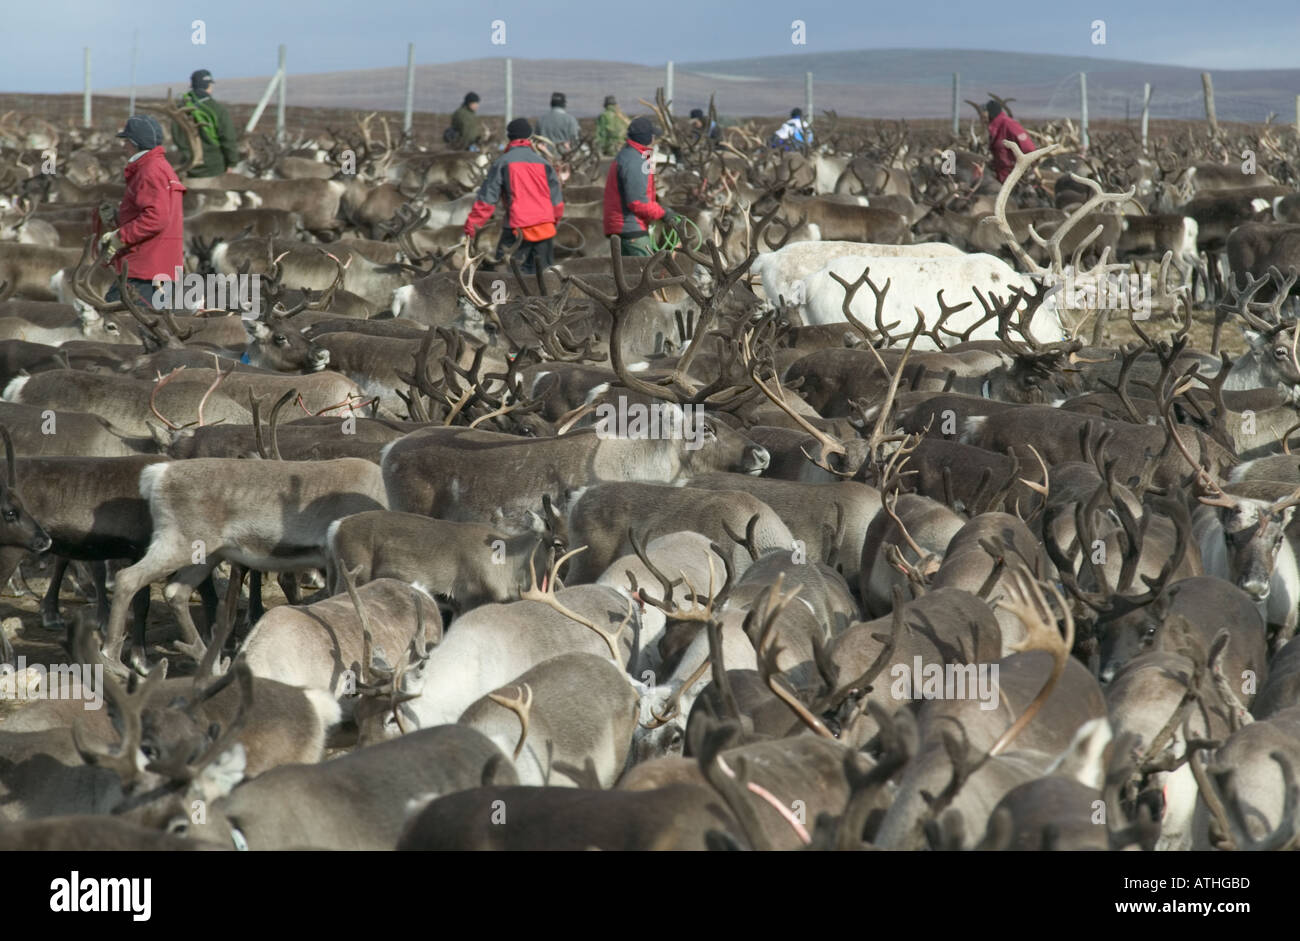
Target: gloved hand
[469, 231]
[111, 241]
[672, 217]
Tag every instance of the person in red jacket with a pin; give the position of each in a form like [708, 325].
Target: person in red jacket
[528, 187]
[1003, 127]
[630, 203]
[149, 238]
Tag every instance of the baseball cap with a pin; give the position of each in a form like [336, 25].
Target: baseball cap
[143, 131]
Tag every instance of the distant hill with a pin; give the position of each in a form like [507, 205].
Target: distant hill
[884, 83]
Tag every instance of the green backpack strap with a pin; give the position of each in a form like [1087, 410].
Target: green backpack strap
[204, 118]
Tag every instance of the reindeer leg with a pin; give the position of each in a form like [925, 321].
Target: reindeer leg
[139, 607]
[99, 578]
[50, 619]
[179, 588]
[255, 607]
[208, 595]
[9, 559]
[161, 559]
[140, 616]
[289, 585]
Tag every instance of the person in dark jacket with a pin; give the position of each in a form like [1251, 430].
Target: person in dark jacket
[466, 124]
[697, 126]
[1003, 127]
[630, 203]
[527, 186]
[558, 125]
[216, 129]
[149, 238]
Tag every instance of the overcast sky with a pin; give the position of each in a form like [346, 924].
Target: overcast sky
[45, 37]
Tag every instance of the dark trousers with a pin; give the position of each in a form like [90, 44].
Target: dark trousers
[637, 246]
[532, 256]
[142, 287]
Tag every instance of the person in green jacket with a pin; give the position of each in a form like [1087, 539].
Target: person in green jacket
[216, 129]
[611, 128]
[466, 124]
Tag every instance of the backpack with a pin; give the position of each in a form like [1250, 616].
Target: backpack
[203, 117]
[450, 136]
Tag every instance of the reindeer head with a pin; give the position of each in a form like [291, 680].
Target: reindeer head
[95, 326]
[1273, 350]
[169, 752]
[384, 689]
[274, 344]
[1253, 532]
[1271, 338]
[17, 527]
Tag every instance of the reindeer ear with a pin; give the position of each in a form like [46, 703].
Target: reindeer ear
[161, 436]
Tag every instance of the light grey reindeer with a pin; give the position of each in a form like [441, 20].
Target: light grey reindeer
[463, 564]
[266, 515]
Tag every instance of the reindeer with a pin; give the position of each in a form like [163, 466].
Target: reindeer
[430, 471]
[307, 497]
[1060, 724]
[302, 806]
[601, 517]
[330, 645]
[463, 564]
[494, 644]
[567, 722]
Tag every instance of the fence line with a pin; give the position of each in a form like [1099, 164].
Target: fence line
[524, 86]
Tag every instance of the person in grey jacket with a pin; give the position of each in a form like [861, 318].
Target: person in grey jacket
[558, 125]
[630, 202]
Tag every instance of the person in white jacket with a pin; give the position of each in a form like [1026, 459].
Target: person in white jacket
[793, 132]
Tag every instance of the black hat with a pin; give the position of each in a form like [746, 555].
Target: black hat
[143, 131]
[557, 99]
[519, 129]
[200, 80]
[641, 131]
[992, 109]
[471, 97]
[697, 113]
[797, 113]
[609, 100]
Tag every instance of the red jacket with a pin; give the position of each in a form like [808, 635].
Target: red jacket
[150, 220]
[525, 183]
[630, 192]
[1004, 128]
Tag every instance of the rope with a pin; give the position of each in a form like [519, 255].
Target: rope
[665, 237]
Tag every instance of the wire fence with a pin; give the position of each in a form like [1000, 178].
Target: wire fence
[739, 90]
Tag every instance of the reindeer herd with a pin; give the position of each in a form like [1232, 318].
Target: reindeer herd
[939, 543]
